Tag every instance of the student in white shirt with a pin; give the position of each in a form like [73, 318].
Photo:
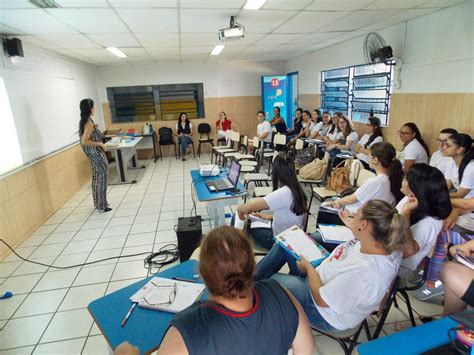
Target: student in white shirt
[460, 174]
[438, 160]
[347, 137]
[315, 126]
[350, 284]
[287, 202]
[373, 135]
[425, 205]
[414, 148]
[305, 123]
[332, 135]
[384, 186]
[264, 130]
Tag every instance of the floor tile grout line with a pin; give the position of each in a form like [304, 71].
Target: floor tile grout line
[72, 283]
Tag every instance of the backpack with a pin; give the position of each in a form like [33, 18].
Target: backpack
[166, 135]
[306, 155]
[339, 179]
[315, 170]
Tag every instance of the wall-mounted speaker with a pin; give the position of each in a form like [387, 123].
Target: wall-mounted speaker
[13, 47]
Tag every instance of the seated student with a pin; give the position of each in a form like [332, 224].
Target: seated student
[350, 284]
[347, 137]
[240, 316]
[223, 124]
[305, 123]
[278, 122]
[184, 132]
[438, 160]
[425, 205]
[458, 281]
[373, 135]
[347, 141]
[315, 125]
[452, 234]
[320, 129]
[384, 186]
[414, 148]
[332, 135]
[297, 123]
[287, 201]
[264, 131]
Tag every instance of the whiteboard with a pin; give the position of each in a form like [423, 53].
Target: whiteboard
[45, 110]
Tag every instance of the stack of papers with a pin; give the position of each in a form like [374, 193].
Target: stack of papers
[257, 222]
[296, 241]
[168, 295]
[335, 234]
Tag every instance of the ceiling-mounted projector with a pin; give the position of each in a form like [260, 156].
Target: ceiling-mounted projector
[234, 32]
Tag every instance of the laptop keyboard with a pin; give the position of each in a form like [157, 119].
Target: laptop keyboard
[222, 184]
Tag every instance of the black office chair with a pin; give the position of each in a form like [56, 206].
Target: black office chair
[204, 129]
[165, 135]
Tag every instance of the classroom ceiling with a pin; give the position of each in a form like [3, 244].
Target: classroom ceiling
[153, 31]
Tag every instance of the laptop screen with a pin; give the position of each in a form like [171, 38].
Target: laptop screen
[234, 173]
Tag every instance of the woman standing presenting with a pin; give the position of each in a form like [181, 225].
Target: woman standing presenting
[91, 142]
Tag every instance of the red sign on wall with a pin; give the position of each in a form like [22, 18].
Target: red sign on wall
[274, 82]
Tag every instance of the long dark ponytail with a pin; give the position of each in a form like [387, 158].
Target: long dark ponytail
[413, 127]
[284, 174]
[86, 106]
[387, 156]
[374, 122]
[464, 141]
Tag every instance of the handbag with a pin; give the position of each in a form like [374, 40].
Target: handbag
[314, 170]
[339, 179]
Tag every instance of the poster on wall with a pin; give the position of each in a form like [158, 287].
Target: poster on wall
[274, 94]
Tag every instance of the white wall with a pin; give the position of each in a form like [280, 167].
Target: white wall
[219, 79]
[438, 54]
[44, 91]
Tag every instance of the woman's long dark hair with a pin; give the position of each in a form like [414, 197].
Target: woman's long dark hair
[284, 174]
[464, 141]
[413, 127]
[387, 156]
[86, 106]
[335, 127]
[349, 128]
[374, 122]
[187, 119]
[429, 187]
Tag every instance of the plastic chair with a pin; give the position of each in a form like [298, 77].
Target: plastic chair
[165, 135]
[204, 129]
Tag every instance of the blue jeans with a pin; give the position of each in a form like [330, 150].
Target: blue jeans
[296, 283]
[184, 141]
[263, 237]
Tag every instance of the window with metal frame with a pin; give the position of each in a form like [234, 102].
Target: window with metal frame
[358, 91]
[155, 102]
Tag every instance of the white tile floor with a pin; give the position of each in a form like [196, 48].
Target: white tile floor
[48, 314]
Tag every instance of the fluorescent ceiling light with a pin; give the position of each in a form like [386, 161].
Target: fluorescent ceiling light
[117, 52]
[254, 4]
[217, 49]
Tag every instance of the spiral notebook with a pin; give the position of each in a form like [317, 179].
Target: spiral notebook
[168, 295]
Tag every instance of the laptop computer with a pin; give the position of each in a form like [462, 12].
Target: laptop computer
[227, 183]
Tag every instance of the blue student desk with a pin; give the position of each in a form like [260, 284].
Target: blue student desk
[216, 201]
[145, 328]
[411, 341]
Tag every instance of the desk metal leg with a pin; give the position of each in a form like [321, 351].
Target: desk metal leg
[154, 147]
[134, 161]
[120, 166]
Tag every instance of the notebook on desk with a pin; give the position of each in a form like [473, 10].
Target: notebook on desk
[227, 183]
[167, 294]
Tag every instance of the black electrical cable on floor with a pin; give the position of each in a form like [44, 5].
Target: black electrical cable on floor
[149, 261]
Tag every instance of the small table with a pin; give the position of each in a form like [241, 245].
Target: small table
[145, 328]
[124, 152]
[411, 341]
[216, 201]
